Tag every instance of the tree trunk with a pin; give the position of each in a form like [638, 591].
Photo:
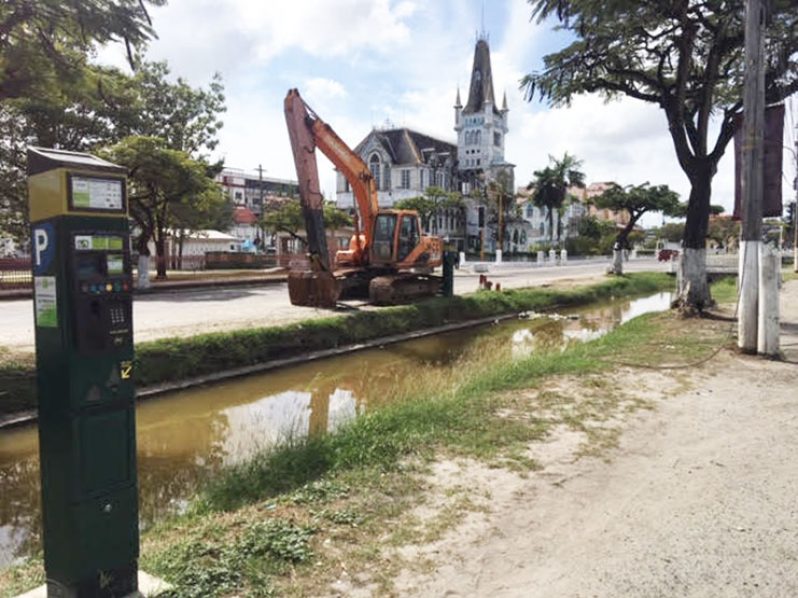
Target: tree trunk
[617, 261]
[693, 286]
[143, 281]
[160, 255]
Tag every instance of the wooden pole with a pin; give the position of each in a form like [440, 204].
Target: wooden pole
[752, 182]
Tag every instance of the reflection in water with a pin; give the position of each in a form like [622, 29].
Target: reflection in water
[187, 436]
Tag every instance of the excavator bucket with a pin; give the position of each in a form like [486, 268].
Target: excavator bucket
[313, 289]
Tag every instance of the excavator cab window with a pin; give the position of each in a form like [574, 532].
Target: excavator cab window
[408, 236]
[384, 229]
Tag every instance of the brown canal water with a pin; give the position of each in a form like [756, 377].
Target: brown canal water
[185, 437]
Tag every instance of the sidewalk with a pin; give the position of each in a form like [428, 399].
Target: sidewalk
[211, 280]
[697, 499]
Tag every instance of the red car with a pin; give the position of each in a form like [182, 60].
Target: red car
[666, 255]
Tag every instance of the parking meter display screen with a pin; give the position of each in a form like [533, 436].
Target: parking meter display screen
[116, 265]
[90, 266]
[94, 193]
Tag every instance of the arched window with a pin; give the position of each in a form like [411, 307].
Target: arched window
[374, 167]
[478, 138]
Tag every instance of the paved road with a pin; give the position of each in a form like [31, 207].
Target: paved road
[184, 313]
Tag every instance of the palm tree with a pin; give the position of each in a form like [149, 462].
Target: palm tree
[551, 186]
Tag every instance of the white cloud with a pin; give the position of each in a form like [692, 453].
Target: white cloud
[360, 62]
[324, 88]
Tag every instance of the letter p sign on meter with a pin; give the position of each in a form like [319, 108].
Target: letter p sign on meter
[43, 247]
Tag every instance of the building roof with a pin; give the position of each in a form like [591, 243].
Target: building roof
[242, 215]
[406, 146]
[481, 88]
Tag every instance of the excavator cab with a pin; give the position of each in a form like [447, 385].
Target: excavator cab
[397, 235]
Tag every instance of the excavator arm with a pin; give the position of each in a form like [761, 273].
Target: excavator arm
[308, 131]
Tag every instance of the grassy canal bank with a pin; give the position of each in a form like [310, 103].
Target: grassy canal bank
[314, 511]
[177, 359]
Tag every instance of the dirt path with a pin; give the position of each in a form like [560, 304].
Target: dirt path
[698, 499]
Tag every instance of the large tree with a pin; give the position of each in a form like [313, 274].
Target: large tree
[635, 200]
[160, 180]
[288, 218]
[686, 56]
[45, 44]
[550, 187]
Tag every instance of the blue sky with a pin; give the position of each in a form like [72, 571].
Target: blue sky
[365, 63]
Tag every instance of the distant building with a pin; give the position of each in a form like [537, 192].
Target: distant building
[405, 163]
[481, 128]
[246, 228]
[249, 190]
[574, 209]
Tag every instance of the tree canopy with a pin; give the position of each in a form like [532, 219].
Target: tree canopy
[686, 56]
[550, 186]
[427, 205]
[160, 180]
[44, 44]
[288, 218]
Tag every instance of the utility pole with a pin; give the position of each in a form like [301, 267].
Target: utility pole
[262, 210]
[752, 175]
[795, 211]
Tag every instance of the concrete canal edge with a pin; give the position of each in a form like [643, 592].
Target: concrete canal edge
[24, 418]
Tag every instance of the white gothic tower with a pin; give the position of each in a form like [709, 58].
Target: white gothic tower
[481, 128]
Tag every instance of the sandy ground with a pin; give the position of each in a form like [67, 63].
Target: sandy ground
[698, 498]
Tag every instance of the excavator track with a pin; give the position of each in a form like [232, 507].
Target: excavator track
[394, 289]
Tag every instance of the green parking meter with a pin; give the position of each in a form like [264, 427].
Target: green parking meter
[84, 360]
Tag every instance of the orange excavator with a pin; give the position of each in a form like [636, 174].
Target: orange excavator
[388, 258]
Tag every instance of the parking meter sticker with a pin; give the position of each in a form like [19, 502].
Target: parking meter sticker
[46, 301]
[43, 248]
[126, 370]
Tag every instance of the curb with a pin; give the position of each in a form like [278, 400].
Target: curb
[171, 286]
[23, 418]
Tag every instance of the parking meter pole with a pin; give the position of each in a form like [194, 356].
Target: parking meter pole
[84, 362]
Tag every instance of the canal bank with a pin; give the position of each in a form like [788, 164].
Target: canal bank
[347, 482]
[169, 361]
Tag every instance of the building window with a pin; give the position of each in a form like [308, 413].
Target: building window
[421, 179]
[386, 183]
[530, 211]
[346, 185]
[374, 167]
[405, 178]
[238, 195]
[497, 139]
[439, 179]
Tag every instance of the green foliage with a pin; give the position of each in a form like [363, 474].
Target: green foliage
[671, 231]
[637, 200]
[208, 565]
[44, 44]
[186, 118]
[288, 218]
[160, 178]
[724, 231]
[551, 184]
[427, 205]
